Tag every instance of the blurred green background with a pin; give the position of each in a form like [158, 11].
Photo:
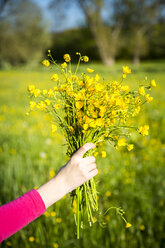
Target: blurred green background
[112, 34]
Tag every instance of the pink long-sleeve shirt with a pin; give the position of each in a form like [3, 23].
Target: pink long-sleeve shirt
[20, 212]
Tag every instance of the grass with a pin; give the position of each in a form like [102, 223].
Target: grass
[29, 156]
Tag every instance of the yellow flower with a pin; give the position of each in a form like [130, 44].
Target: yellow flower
[71, 129]
[54, 77]
[46, 62]
[89, 70]
[57, 106]
[142, 227]
[153, 83]
[64, 65]
[97, 77]
[141, 91]
[47, 101]
[128, 225]
[80, 83]
[136, 111]
[79, 105]
[103, 154]
[125, 88]
[108, 193]
[85, 58]
[94, 219]
[121, 142]
[36, 92]
[126, 70]
[67, 58]
[74, 78]
[50, 93]
[99, 87]
[51, 174]
[144, 130]
[32, 104]
[148, 98]
[31, 88]
[31, 239]
[55, 245]
[59, 220]
[85, 126]
[44, 92]
[100, 122]
[41, 105]
[124, 76]
[130, 147]
[53, 213]
[54, 128]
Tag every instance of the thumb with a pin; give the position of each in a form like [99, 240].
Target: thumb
[82, 150]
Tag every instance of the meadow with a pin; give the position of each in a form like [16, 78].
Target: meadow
[134, 181]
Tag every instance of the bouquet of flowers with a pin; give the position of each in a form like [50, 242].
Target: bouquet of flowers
[86, 109]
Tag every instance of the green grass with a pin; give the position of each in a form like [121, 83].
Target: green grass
[134, 181]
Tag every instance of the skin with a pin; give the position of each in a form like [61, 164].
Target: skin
[77, 171]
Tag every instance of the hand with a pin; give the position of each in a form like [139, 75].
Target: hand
[77, 171]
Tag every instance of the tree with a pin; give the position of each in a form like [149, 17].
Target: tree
[105, 32]
[23, 35]
[138, 18]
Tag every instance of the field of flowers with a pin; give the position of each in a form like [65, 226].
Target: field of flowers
[134, 181]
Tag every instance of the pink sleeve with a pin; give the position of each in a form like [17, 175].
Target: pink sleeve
[20, 212]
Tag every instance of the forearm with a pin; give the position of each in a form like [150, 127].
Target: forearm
[53, 190]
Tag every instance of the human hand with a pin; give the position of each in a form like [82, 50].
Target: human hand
[78, 170]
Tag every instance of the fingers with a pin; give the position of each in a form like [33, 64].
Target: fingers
[92, 173]
[91, 167]
[82, 150]
[88, 160]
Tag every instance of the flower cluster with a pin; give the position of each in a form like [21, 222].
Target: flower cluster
[89, 109]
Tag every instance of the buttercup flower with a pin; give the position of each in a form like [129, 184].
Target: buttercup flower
[67, 58]
[89, 70]
[144, 130]
[46, 62]
[126, 70]
[54, 77]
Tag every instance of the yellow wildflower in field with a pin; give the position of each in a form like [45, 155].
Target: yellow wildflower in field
[85, 126]
[58, 220]
[103, 154]
[126, 70]
[128, 225]
[64, 65]
[97, 77]
[37, 92]
[67, 58]
[31, 239]
[108, 193]
[136, 111]
[79, 105]
[153, 83]
[85, 58]
[130, 147]
[89, 70]
[148, 98]
[141, 91]
[54, 77]
[57, 106]
[46, 62]
[31, 88]
[47, 101]
[51, 174]
[54, 128]
[55, 245]
[41, 105]
[32, 104]
[142, 227]
[121, 142]
[53, 213]
[144, 130]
